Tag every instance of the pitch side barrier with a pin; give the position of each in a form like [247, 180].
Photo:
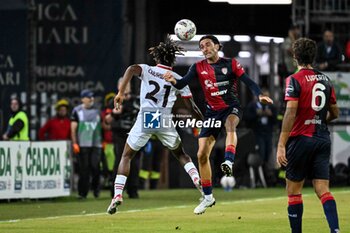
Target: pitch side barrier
[35, 169]
[340, 129]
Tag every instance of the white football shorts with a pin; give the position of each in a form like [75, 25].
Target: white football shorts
[138, 139]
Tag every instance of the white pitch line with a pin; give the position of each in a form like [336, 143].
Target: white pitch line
[160, 208]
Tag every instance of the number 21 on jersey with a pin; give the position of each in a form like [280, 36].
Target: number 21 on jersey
[151, 95]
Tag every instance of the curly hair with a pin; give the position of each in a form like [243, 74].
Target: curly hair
[165, 52]
[304, 51]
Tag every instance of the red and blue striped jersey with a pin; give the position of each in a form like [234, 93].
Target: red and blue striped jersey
[219, 81]
[315, 93]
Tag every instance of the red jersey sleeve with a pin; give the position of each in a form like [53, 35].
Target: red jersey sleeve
[237, 68]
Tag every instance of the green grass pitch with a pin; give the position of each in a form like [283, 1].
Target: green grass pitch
[242, 211]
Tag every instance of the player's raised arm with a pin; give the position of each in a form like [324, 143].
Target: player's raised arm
[181, 83]
[254, 88]
[168, 76]
[133, 70]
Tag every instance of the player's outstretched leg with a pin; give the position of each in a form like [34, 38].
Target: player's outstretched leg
[190, 168]
[205, 203]
[205, 146]
[231, 142]
[120, 180]
[226, 168]
[116, 201]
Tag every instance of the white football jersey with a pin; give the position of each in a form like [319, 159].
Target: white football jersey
[155, 91]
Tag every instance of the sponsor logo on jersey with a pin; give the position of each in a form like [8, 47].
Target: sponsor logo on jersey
[235, 111]
[208, 84]
[313, 122]
[289, 90]
[204, 72]
[223, 83]
[222, 92]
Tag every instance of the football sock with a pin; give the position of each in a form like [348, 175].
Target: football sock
[330, 210]
[230, 152]
[192, 171]
[295, 212]
[119, 184]
[207, 188]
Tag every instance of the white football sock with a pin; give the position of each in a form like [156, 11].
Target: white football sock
[119, 184]
[192, 171]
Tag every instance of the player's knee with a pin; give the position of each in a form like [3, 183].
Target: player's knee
[321, 187]
[320, 190]
[203, 158]
[231, 123]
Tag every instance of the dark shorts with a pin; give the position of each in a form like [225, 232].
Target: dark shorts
[219, 116]
[308, 157]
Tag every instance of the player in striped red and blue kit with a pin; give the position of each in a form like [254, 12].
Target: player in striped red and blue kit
[304, 145]
[218, 78]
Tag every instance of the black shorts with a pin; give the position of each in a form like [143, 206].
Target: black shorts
[308, 157]
[220, 116]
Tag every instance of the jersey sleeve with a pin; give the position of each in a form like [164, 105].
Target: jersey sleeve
[144, 67]
[237, 68]
[184, 92]
[292, 89]
[192, 73]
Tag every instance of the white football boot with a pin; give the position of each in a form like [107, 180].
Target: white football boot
[116, 201]
[226, 167]
[200, 209]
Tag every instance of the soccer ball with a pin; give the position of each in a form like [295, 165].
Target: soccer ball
[185, 29]
[228, 182]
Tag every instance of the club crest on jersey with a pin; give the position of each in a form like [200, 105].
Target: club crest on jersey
[224, 70]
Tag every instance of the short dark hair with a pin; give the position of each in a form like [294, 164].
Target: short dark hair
[304, 50]
[212, 38]
[165, 52]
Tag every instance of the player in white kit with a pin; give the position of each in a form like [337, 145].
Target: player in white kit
[156, 98]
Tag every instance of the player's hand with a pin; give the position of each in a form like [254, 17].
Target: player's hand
[168, 76]
[281, 156]
[118, 100]
[76, 148]
[265, 99]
